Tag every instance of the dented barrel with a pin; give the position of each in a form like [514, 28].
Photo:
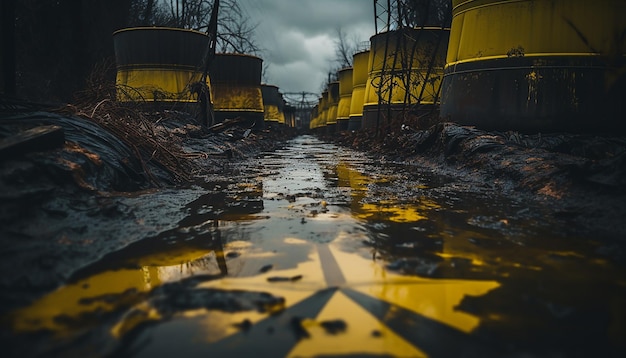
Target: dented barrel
[533, 66]
[359, 79]
[159, 64]
[236, 81]
[345, 98]
[405, 70]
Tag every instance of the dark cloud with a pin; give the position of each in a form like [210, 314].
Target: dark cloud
[297, 36]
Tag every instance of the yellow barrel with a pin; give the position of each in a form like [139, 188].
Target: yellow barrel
[159, 64]
[550, 65]
[324, 108]
[345, 98]
[359, 78]
[273, 104]
[405, 69]
[236, 81]
[333, 105]
[314, 117]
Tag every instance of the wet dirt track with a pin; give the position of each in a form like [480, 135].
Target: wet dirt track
[316, 250]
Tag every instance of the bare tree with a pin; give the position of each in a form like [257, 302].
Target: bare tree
[235, 32]
[344, 49]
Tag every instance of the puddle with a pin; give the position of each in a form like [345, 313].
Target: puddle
[317, 250]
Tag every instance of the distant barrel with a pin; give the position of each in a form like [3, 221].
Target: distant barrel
[158, 64]
[290, 116]
[333, 104]
[405, 70]
[313, 124]
[236, 81]
[359, 79]
[324, 109]
[273, 105]
[345, 98]
[550, 65]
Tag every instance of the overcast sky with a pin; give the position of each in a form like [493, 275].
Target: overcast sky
[298, 37]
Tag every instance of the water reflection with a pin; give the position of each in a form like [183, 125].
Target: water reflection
[551, 287]
[350, 263]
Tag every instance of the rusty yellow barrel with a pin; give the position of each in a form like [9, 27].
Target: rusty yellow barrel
[333, 104]
[158, 64]
[345, 98]
[273, 105]
[550, 65]
[359, 79]
[405, 70]
[236, 81]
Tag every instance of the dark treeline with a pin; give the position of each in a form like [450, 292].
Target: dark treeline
[54, 48]
[59, 43]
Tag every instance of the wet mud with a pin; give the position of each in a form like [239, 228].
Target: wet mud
[315, 249]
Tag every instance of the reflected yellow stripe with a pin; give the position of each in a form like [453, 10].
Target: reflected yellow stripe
[84, 296]
[432, 298]
[364, 334]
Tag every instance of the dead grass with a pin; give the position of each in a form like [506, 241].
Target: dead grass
[137, 127]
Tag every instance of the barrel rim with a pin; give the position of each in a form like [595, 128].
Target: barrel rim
[529, 57]
[268, 85]
[233, 54]
[153, 28]
[426, 28]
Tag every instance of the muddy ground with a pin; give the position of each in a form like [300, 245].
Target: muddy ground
[579, 177]
[67, 207]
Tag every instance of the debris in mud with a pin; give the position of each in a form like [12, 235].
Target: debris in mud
[169, 301]
[266, 268]
[284, 278]
[421, 266]
[334, 326]
[244, 325]
[233, 254]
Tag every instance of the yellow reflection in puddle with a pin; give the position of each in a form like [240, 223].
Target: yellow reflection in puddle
[432, 298]
[106, 291]
[364, 333]
[383, 210]
[391, 212]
